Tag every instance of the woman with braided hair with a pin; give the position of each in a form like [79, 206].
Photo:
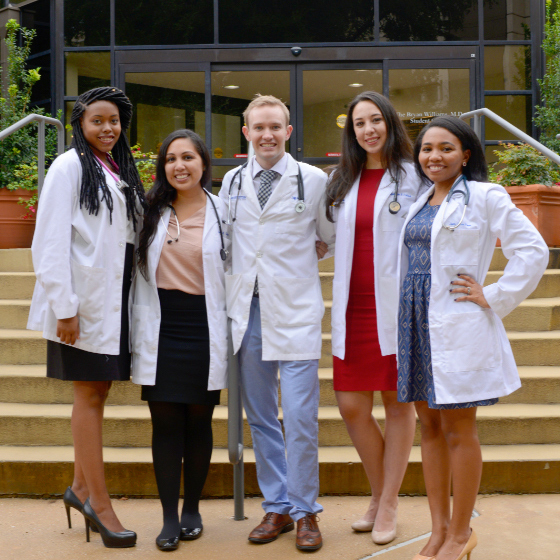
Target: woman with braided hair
[88, 224]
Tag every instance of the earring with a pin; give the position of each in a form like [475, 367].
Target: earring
[464, 164]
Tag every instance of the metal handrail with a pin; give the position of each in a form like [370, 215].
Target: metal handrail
[477, 114]
[42, 120]
[235, 429]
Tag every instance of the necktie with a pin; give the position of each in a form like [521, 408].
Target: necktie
[265, 190]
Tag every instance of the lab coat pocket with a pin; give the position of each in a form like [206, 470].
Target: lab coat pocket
[458, 247]
[389, 299]
[88, 284]
[297, 302]
[139, 329]
[470, 342]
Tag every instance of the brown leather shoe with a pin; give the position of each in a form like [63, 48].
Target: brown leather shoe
[270, 527]
[308, 534]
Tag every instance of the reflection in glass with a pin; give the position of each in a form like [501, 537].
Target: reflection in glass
[164, 102]
[438, 20]
[513, 108]
[173, 22]
[38, 16]
[507, 67]
[86, 70]
[218, 172]
[231, 93]
[507, 19]
[326, 95]
[306, 21]
[419, 94]
[86, 23]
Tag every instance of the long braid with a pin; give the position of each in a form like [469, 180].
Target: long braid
[93, 177]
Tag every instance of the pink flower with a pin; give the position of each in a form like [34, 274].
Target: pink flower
[32, 209]
[153, 177]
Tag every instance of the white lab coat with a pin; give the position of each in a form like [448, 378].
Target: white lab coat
[386, 231]
[471, 356]
[78, 259]
[146, 312]
[278, 244]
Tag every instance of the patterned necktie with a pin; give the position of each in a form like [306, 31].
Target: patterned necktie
[265, 190]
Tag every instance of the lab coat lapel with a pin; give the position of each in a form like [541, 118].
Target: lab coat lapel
[248, 187]
[283, 189]
[453, 205]
[157, 244]
[385, 190]
[112, 184]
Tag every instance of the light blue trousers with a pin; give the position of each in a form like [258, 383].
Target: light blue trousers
[288, 472]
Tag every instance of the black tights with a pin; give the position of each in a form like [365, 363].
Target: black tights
[180, 432]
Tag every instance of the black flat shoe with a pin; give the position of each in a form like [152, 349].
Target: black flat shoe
[168, 544]
[190, 534]
[124, 539]
[71, 500]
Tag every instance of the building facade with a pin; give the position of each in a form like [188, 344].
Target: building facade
[197, 63]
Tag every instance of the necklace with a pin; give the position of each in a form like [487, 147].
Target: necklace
[169, 241]
[120, 183]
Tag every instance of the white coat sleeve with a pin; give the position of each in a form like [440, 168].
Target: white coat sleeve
[524, 248]
[53, 234]
[326, 230]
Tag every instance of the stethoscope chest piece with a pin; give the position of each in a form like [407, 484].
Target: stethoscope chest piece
[223, 254]
[394, 206]
[300, 206]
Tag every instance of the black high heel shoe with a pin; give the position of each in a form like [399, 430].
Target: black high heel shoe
[71, 500]
[168, 544]
[188, 534]
[110, 539]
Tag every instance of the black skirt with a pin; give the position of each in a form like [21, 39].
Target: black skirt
[183, 363]
[74, 364]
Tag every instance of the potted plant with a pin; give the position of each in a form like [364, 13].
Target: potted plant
[533, 182]
[18, 152]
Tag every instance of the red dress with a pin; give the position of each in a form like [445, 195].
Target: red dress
[364, 368]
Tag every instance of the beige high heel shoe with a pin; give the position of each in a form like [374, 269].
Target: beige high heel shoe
[420, 557]
[385, 537]
[362, 526]
[471, 543]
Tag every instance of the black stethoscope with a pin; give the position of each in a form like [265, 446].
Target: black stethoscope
[395, 205]
[223, 252]
[466, 197]
[300, 204]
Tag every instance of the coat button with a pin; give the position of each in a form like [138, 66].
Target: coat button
[259, 255]
[121, 244]
[117, 307]
[261, 222]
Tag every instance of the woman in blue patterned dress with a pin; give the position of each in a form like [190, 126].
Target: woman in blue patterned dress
[453, 352]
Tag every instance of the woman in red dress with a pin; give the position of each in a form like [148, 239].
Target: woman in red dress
[368, 197]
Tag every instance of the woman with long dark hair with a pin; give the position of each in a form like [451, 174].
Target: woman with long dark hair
[368, 196]
[179, 326]
[87, 227]
[454, 354]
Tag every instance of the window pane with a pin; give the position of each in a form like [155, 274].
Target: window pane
[218, 172]
[231, 93]
[174, 22]
[516, 109]
[326, 95]
[164, 102]
[305, 21]
[440, 20]
[86, 23]
[86, 70]
[507, 67]
[42, 89]
[68, 106]
[419, 94]
[507, 19]
[38, 16]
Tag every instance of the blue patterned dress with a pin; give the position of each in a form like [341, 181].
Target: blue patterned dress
[415, 381]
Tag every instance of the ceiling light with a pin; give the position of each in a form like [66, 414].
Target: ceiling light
[356, 85]
[231, 87]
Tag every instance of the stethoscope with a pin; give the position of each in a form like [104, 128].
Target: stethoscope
[395, 205]
[300, 204]
[223, 252]
[466, 196]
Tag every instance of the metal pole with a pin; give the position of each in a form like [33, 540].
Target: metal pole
[235, 430]
[40, 156]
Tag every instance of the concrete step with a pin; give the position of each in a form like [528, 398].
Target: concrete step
[17, 285]
[529, 348]
[20, 346]
[46, 471]
[130, 426]
[499, 262]
[548, 287]
[16, 260]
[14, 313]
[28, 384]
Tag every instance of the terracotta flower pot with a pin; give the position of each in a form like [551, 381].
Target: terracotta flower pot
[15, 232]
[541, 205]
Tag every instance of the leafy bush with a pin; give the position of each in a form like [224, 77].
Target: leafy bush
[146, 165]
[523, 165]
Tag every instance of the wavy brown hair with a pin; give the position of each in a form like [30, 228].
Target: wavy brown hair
[397, 148]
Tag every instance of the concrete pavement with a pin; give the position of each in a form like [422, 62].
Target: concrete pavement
[510, 527]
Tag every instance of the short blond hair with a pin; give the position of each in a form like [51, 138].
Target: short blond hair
[262, 100]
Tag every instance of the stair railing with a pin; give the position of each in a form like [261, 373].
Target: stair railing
[42, 121]
[477, 114]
